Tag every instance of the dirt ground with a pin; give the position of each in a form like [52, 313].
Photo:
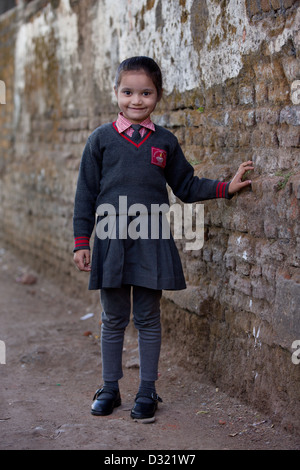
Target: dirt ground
[53, 367]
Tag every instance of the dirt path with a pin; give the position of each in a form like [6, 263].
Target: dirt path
[53, 367]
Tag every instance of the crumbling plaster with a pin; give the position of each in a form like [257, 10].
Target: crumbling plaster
[226, 36]
[56, 29]
[193, 50]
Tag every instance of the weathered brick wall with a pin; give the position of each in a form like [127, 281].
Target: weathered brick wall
[232, 93]
[7, 5]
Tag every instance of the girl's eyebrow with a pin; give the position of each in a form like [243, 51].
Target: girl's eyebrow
[126, 88]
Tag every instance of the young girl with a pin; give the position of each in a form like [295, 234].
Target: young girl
[134, 158]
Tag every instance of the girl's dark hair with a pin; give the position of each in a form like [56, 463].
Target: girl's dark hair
[147, 64]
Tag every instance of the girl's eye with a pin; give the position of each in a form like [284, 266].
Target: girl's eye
[127, 92]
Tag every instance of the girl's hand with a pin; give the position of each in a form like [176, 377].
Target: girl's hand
[82, 259]
[237, 183]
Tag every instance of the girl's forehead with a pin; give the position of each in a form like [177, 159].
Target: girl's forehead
[136, 78]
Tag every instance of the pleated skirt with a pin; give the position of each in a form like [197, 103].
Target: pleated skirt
[122, 257]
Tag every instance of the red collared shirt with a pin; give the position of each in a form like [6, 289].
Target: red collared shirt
[124, 125]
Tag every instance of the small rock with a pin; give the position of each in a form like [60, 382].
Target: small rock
[133, 363]
[27, 279]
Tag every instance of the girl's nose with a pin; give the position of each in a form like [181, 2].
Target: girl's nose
[136, 99]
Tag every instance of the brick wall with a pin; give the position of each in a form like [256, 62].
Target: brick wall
[258, 9]
[7, 5]
[231, 93]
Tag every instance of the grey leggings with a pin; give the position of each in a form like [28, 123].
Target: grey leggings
[116, 304]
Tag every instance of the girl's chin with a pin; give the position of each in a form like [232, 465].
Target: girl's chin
[135, 119]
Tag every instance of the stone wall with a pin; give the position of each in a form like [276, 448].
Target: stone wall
[7, 5]
[232, 93]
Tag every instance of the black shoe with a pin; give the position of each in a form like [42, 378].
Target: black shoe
[105, 406]
[145, 410]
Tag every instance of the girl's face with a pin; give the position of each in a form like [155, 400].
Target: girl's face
[137, 95]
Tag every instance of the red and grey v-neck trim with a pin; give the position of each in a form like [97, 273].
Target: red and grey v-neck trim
[137, 145]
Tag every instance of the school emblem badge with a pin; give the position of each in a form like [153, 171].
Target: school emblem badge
[159, 157]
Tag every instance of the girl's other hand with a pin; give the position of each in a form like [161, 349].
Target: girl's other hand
[82, 259]
[237, 183]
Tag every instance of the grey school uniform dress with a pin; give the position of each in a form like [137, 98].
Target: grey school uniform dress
[114, 166]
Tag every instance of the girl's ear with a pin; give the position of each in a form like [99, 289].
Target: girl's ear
[116, 91]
